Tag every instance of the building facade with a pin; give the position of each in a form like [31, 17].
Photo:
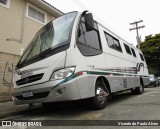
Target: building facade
[19, 21]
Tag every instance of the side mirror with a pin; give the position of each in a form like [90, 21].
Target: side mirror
[89, 23]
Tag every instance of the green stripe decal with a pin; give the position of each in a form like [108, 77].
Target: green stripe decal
[89, 73]
[67, 79]
[97, 73]
[104, 73]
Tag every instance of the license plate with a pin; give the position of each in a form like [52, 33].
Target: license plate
[27, 94]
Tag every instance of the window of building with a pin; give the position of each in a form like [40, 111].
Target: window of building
[133, 52]
[5, 3]
[89, 41]
[113, 42]
[127, 49]
[36, 14]
[142, 58]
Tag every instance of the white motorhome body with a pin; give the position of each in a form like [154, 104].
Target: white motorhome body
[73, 58]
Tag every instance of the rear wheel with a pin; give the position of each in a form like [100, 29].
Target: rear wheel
[139, 90]
[101, 96]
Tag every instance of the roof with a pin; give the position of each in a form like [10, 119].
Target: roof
[52, 6]
[42, 4]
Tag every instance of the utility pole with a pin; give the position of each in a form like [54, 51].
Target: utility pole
[136, 28]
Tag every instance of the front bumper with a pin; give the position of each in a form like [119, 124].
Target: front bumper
[47, 92]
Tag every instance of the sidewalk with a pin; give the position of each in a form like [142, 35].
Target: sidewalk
[8, 109]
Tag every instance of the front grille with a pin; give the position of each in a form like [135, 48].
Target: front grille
[35, 96]
[29, 79]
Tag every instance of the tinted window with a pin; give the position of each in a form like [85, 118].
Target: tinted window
[109, 40]
[133, 52]
[117, 44]
[127, 49]
[56, 34]
[92, 39]
[142, 58]
[89, 41]
[95, 26]
[113, 42]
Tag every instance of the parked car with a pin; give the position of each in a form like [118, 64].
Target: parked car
[154, 81]
[158, 81]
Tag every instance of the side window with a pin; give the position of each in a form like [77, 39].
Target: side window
[89, 41]
[92, 39]
[113, 42]
[133, 52]
[109, 40]
[142, 58]
[81, 35]
[117, 44]
[127, 49]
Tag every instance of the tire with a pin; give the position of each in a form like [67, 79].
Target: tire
[100, 100]
[138, 90]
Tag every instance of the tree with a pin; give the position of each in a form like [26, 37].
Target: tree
[151, 50]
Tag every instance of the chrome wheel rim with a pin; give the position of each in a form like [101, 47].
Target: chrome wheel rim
[100, 93]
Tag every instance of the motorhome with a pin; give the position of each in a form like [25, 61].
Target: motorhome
[74, 57]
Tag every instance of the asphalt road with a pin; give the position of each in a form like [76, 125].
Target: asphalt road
[121, 107]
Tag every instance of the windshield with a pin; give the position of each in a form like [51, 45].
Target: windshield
[53, 35]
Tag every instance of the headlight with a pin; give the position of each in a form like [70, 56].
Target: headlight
[63, 73]
[151, 78]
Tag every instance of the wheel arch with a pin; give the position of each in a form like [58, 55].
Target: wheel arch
[106, 83]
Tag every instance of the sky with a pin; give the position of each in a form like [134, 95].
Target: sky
[117, 15]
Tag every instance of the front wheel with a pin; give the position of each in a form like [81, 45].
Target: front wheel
[100, 99]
